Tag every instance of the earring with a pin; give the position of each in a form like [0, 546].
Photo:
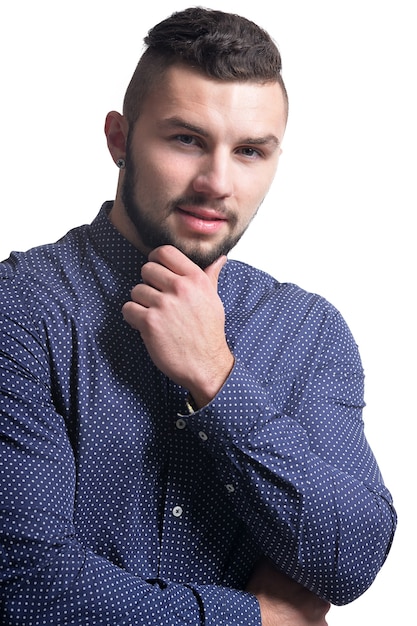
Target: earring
[121, 164]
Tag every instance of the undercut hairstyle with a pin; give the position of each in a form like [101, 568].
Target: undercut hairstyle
[222, 46]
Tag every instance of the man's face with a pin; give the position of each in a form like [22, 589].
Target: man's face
[199, 161]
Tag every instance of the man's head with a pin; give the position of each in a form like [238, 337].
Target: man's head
[220, 45]
[204, 117]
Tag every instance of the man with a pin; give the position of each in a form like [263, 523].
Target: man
[182, 437]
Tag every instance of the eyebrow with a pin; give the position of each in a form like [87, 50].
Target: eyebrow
[179, 123]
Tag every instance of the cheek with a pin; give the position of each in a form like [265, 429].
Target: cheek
[252, 193]
[264, 183]
[165, 176]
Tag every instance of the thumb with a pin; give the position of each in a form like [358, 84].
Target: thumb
[213, 270]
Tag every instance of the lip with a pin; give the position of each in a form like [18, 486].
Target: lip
[203, 213]
[201, 220]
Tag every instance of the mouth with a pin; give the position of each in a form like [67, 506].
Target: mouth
[204, 214]
[201, 220]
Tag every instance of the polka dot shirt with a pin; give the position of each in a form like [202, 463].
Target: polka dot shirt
[119, 506]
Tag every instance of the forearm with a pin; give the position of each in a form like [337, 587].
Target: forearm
[311, 517]
[81, 588]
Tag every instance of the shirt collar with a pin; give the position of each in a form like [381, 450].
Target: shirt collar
[112, 246]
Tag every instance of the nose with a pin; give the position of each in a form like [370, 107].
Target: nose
[214, 177]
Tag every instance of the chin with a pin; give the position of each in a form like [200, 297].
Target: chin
[202, 256]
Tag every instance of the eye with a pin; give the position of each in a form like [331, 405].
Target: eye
[187, 140]
[250, 153]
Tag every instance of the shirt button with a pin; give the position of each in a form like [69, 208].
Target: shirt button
[180, 424]
[202, 435]
[177, 511]
[230, 488]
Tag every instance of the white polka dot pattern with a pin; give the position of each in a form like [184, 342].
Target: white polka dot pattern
[120, 507]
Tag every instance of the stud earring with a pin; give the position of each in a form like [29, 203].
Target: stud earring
[121, 164]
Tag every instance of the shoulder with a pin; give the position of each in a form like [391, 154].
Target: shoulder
[244, 286]
[274, 318]
[33, 277]
[36, 260]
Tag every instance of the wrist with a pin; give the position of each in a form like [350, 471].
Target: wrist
[204, 392]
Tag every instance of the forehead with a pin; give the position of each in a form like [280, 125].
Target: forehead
[216, 104]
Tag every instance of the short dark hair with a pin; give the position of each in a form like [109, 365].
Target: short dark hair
[223, 46]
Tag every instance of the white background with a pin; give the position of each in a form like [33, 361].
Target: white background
[338, 220]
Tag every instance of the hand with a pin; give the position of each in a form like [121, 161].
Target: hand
[282, 601]
[181, 319]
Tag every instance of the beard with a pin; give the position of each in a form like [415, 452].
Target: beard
[155, 232]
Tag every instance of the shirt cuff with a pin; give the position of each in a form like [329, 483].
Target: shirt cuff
[228, 607]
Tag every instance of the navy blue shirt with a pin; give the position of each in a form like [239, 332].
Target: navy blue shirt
[118, 506]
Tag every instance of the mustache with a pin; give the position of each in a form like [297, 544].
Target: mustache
[200, 201]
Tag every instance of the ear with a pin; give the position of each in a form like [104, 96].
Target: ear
[116, 129]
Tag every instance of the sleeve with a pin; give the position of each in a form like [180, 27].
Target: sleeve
[304, 480]
[46, 576]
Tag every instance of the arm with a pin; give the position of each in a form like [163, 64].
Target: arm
[307, 483]
[47, 576]
[302, 477]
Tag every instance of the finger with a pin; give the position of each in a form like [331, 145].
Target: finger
[133, 314]
[156, 275]
[145, 295]
[173, 259]
[213, 270]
